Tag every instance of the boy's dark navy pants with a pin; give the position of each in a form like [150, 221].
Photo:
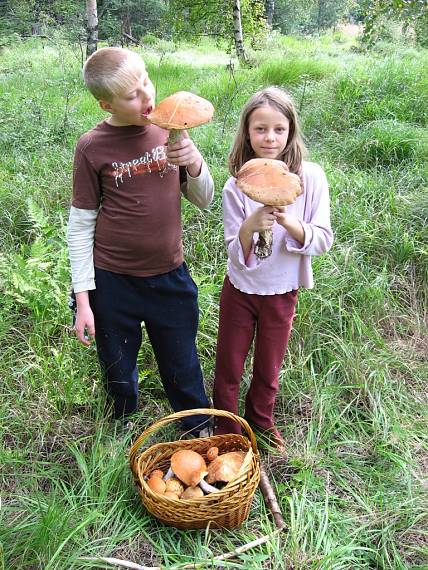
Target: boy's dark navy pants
[168, 306]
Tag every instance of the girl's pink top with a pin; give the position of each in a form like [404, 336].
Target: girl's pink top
[289, 266]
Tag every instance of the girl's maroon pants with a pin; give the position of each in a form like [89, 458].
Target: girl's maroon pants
[266, 319]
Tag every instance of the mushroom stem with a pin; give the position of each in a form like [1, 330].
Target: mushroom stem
[263, 247]
[207, 488]
[174, 135]
[170, 473]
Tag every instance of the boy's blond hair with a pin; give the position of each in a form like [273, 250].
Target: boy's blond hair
[295, 149]
[110, 70]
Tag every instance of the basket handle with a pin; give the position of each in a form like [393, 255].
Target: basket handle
[195, 412]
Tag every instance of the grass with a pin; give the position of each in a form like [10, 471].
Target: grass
[352, 402]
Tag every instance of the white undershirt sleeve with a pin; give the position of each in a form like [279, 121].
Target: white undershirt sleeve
[199, 190]
[80, 239]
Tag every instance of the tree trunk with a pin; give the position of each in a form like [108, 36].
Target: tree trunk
[126, 27]
[237, 31]
[269, 8]
[320, 14]
[36, 27]
[91, 27]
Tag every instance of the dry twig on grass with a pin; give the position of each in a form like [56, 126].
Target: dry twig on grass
[227, 556]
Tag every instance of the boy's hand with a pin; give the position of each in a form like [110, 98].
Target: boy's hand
[84, 319]
[184, 153]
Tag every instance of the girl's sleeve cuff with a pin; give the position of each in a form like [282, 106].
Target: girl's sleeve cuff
[295, 246]
[236, 256]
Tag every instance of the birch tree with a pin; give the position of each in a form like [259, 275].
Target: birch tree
[270, 8]
[237, 32]
[230, 20]
[91, 27]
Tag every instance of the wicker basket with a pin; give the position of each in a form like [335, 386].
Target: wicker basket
[227, 508]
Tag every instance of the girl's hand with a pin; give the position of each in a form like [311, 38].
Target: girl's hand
[280, 213]
[184, 153]
[290, 223]
[84, 323]
[261, 219]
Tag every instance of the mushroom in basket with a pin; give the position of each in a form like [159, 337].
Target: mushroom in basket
[225, 467]
[269, 182]
[190, 467]
[179, 111]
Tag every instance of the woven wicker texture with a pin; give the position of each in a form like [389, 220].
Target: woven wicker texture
[229, 507]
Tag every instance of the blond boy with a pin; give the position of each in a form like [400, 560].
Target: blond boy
[125, 238]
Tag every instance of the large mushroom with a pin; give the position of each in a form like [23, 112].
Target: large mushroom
[269, 182]
[225, 467]
[179, 111]
[190, 467]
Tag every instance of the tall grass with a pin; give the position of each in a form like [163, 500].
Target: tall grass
[352, 402]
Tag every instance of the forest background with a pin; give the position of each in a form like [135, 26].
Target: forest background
[352, 403]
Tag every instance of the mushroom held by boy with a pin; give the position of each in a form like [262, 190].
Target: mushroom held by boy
[179, 111]
[269, 182]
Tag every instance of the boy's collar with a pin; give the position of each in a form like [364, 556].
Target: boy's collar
[129, 128]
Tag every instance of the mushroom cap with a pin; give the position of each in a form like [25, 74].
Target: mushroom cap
[225, 467]
[269, 182]
[171, 495]
[212, 453]
[174, 485]
[181, 110]
[189, 466]
[157, 485]
[157, 473]
[192, 493]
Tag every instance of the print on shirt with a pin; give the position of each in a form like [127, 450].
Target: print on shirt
[154, 161]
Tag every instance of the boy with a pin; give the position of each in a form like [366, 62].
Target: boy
[125, 239]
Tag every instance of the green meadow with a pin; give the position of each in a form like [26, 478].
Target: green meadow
[353, 397]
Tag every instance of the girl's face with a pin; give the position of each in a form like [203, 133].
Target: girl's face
[268, 130]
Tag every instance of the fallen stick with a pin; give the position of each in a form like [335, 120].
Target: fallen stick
[118, 562]
[233, 554]
[270, 498]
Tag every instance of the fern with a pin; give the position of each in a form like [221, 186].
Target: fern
[35, 278]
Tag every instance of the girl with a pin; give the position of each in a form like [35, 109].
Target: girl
[259, 296]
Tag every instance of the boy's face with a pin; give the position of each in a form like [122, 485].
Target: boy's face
[133, 105]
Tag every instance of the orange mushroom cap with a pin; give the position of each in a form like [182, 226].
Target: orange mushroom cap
[157, 473]
[189, 466]
[182, 110]
[225, 467]
[157, 485]
[269, 182]
[212, 453]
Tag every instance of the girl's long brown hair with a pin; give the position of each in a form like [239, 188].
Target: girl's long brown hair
[295, 149]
